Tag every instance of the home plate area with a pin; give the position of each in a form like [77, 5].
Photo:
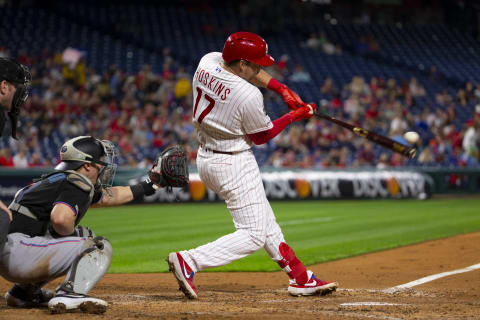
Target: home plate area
[365, 284]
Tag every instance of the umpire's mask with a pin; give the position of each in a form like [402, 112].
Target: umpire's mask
[86, 149]
[18, 75]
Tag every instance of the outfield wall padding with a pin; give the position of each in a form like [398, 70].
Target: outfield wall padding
[296, 184]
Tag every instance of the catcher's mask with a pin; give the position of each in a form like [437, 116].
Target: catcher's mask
[86, 149]
[18, 75]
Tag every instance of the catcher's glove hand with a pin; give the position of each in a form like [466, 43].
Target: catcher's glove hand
[170, 169]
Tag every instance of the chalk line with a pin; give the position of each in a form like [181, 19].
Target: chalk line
[431, 278]
[370, 303]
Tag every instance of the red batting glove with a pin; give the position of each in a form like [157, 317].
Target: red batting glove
[305, 112]
[290, 97]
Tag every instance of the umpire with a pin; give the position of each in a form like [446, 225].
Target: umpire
[15, 81]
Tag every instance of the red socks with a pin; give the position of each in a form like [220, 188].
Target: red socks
[291, 265]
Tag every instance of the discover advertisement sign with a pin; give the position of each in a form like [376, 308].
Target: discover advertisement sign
[291, 185]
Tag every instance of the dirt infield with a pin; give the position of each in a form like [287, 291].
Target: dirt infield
[362, 279]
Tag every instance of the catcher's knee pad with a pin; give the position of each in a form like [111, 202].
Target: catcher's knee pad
[291, 265]
[89, 267]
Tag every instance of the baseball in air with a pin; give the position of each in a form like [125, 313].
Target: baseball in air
[412, 137]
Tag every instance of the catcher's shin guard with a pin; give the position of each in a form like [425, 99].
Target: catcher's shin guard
[291, 265]
[4, 227]
[89, 267]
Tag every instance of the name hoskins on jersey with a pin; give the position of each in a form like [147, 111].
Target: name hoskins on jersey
[212, 83]
[226, 108]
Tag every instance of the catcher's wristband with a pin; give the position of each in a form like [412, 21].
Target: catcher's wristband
[144, 188]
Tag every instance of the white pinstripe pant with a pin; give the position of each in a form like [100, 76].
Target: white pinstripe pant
[236, 178]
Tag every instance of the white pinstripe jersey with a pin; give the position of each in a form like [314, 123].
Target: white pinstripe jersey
[225, 107]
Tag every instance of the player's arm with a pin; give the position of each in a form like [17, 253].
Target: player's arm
[257, 124]
[115, 196]
[4, 208]
[169, 170]
[281, 123]
[72, 199]
[62, 218]
[265, 80]
[261, 79]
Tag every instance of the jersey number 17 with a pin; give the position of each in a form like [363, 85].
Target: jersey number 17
[211, 104]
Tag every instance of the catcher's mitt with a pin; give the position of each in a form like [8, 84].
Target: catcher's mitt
[170, 169]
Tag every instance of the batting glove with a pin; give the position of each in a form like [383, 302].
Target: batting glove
[305, 112]
[290, 97]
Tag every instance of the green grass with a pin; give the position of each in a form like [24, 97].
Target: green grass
[318, 231]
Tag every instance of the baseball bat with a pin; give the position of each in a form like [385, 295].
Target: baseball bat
[386, 142]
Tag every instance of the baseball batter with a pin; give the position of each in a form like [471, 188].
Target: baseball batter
[229, 116]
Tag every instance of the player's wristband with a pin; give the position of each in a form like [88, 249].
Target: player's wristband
[274, 85]
[144, 188]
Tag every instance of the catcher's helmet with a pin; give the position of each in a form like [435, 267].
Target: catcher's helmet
[86, 149]
[247, 46]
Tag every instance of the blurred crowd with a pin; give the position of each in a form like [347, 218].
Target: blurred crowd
[142, 113]
[145, 112]
[389, 107]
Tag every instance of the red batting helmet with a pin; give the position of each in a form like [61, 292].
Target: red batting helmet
[247, 46]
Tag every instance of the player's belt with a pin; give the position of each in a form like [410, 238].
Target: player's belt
[221, 152]
[216, 151]
[17, 207]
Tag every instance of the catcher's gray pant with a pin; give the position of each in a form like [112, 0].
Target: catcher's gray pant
[236, 178]
[39, 259]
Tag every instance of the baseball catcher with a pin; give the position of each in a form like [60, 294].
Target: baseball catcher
[45, 239]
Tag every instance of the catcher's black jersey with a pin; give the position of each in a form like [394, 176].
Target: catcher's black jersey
[40, 198]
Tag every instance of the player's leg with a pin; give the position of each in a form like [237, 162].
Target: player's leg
[31, 262]
[86, 270]
[282, 254]
[220, 252]
[28, 295]
[302, 281]
[237, 180]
